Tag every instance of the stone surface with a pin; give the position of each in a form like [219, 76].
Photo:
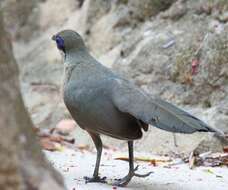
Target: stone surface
[21, 18]
[156, 48]
[73, 165]
[22, 163]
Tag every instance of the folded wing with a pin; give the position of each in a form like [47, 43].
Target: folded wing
[159, 113]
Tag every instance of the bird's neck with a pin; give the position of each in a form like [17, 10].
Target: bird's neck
[76, 56]
[81, 62]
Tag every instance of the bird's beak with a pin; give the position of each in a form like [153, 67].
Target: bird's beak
[53, 37]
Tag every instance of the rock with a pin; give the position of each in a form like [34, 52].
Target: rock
[23, 165]
[103, 36]
[209, 143]
[212, 74]
[21, 18]
[49, 12]
[92, 11]
[214, 7]
[157, 44]
[176, 11]
[65, 126]
[144, 9]
[41, 70]
[224, 17]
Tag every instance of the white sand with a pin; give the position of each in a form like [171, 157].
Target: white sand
[73, 165]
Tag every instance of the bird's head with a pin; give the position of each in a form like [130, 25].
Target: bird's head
[68, 40]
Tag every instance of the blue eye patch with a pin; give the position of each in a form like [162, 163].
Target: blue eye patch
[60, 43]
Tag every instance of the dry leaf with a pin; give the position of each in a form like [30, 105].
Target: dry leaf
[209, 171]
[47, 144]
[35, 129]
[83, 147]
[55, 138]
[122, 158]
[152, 161]
[209, 159]
[60, 139]
[225, 149]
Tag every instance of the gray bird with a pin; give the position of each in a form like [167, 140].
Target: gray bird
[101, 102]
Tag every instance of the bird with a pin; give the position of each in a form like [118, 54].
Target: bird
[104, 103]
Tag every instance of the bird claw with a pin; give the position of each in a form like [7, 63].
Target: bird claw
[124, 181]
[96, 179]
[140, 175]
[136, 168]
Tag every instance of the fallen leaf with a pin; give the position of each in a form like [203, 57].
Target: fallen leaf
[70, 140]
[59, 148]
[207, 159]
[55, 138]
[83, 147]
[152, 161]
[35, 129]
[122, 158]
[47, 144]
[60, 139]
[212, 172]
[209, 171]
[225, 149]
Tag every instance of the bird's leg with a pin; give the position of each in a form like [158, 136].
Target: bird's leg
[124, 181]
[98, 144]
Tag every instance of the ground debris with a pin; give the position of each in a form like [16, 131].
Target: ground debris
[51, 141]
[192, 160]
[49, 145]
[225, 149]
[207, 159]
[83, 147]
[152, 161]
[65, 127]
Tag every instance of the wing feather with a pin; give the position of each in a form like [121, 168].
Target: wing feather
[159, 113]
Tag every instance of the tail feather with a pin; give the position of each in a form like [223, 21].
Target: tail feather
[181, 121]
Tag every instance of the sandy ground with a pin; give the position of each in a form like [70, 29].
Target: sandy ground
[74, 164]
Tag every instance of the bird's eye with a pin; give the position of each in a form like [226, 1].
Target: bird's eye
[60, 43]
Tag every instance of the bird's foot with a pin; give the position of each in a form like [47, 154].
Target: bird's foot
[124, 181]
[95, 179]
[141, 175]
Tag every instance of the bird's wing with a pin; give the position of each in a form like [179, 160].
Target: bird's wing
[159, 113]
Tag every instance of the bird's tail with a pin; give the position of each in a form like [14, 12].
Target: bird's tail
[176, 120]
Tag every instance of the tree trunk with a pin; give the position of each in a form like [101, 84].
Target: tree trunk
[22, 163]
